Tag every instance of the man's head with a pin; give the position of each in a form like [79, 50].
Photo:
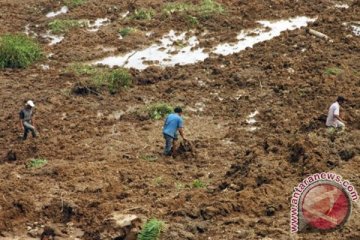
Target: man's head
[178, 110]
[340, 100]
[30, 104]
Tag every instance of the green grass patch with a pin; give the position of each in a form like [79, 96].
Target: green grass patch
[158, 181]
[205, 9]
[74, 3]
[210, 7]
[151, 230]
[98, 78]
[143, 14]
[334, 71]
[171, 8]
[179, 186]
[158, 111]
[36, 163]
[65, 25]
[126, 31]
[197, 183]
[18, 51]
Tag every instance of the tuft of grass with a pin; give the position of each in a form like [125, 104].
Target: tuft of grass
[193, 21]
[179, 186]
[65, 25]
[197, 183]
[151, 230]
[157, 111]
[210, 7]
[74, 3]
[158, 181]
[18, 51]
[334, 71]
[171, 8]
[113, 79]
[36, 163]
[126, 31]
[144, 14]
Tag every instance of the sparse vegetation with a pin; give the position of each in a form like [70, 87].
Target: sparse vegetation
[36, 163]
[179, 186]
[192, 20]
[149, 158]
[158, 181]
[151, 230]
[334, 71]
[126, 31]
[197, 183]
[177, 7]
[62, 26]
[18, 51]
[210, 7]
[157, 111]
[74, 3]
[144, 14]
[113, 79]
[205, 9]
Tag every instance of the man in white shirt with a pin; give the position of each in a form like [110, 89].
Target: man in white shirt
[333, 118]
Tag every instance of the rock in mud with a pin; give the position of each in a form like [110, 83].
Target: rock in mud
[122, 226]
[346, 155]
[11, 156]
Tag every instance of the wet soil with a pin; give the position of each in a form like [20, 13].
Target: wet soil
[98, 164]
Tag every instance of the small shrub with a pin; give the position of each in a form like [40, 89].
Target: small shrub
[151, 230]
[210, 7]
[74, 3]
[159, 110]
[36, 163]
[333, 71]
[144, 14]
[126, 31]
[198, 184]
[116, 79]
[18, 51]
[62, 26]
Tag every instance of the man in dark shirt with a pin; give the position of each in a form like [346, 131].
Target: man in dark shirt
[26, 119]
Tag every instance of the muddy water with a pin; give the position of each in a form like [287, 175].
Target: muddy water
[63, 10]
[178, 49]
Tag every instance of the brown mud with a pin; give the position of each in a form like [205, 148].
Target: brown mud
[97, 162]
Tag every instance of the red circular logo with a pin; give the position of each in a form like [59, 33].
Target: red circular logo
[325, 206]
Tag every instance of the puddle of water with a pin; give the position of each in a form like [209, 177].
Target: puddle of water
[45, 66]
[356, 30]
[63, 10]
[345, 6]
[248, 38]
[177, 49]
[172, 49]
[94, 27]
[252, 129]
[54, 39]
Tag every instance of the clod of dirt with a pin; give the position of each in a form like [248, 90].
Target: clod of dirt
[297, 152]
[270, 211]
[11, 156]
[346, 155]
[48, 233]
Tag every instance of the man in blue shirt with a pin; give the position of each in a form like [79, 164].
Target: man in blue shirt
[173, 123]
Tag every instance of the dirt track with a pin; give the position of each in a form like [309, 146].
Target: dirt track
[95, 161]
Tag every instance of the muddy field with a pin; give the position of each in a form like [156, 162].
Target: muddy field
[98, 147]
